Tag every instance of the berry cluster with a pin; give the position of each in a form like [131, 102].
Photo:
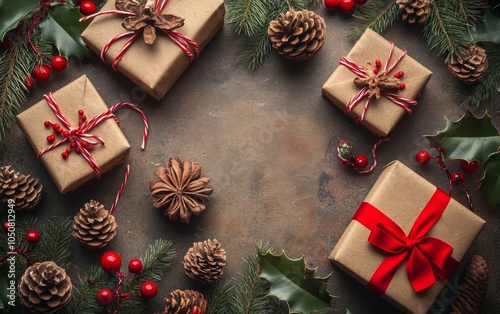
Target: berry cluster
[346, 6]
[111, 263]
[31, 237]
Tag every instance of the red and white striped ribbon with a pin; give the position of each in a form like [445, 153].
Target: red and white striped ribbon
[120, 190]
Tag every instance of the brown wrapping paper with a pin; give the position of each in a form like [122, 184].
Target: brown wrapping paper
[401, 194]
[382, 115]
[68, 174]
[157, 67]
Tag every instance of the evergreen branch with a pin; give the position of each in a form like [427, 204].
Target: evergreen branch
[219, 298]
[156, 259]
[247, 16]
[253, 51]
[54, 242]
[470, 11]
[377, 15]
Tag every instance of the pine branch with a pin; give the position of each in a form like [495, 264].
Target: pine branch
[247, 16]
[156, 259]
[54, 242]
[470, 12]
[220, 298]
[377, 15]
[253, 51]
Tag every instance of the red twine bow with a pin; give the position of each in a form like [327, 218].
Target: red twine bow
[426, 257]
[80, 137]
[405, 103]
[182, 41]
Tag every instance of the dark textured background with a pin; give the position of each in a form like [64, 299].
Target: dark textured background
[268, 141]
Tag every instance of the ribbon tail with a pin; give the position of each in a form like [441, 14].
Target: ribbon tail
[382, 277]
[419, 271]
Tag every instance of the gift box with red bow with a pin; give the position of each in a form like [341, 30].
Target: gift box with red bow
[376, 83]
[406, 239]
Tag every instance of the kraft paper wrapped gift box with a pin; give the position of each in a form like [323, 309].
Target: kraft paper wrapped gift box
[68, 174]
[382, 114]
[401, 195]
[157, 67]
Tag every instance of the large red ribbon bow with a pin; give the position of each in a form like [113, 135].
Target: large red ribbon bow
[426, 257]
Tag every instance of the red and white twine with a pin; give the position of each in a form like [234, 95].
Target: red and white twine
[80, 135]
[120, 190]
[183, 42]
[405, 103]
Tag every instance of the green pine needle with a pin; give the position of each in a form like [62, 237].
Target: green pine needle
[377, 15]
[247, 16]
[219, 298]
[54, 242]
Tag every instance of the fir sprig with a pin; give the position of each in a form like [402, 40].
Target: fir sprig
[220, 298]
[377, 15]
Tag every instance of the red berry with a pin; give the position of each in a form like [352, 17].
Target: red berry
[378, 63]
[347, 6]
[148, 290]
[111, 262]
[402, 86]
[457, 178]
[361, 2]
[47, 123]
[41, 72]
[423, 157]
[5, 226]
[72, 145]
[83, 117]
[28, 81]
[332, 4]
[105, 297]
[66, 133]
[78, 150]
[32, 236]
[58, 63]
[135, 266]
[196, 310]
[68, 150]
[87, 7]
[51, 138]
[375, 71]
[468, 167]
[65, 155]
[46, 4]
[80, 112]
[361, 161]
[90, 147]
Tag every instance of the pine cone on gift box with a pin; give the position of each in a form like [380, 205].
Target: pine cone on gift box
[182, 302]
[44, 288]
[23, 189]
[297, 35]
[94, 226]
[205, 261]
[472, 290]
[471, 67]
[414, 10]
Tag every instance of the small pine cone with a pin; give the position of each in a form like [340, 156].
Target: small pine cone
[414, 10]
[297, 35]
[182, 302]
[205, 261]
[472, 291]
[44, 288]
[471, 67]
[23, 189]
[94, 226]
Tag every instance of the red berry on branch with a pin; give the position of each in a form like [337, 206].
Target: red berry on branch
[375, 71]
[5, 226]
[87, 7]
[81, 112]
[457, 178]
[332, 4]
[361, 2]
[196, 310]
[72, 145]
[423, 157]
[402, 86]
[378, 63]
[46, 4]
[347, 6]
[51, 138]
[135, 266]
[41, 72]
[361, 161]
[105, 297]
[47, 123]
[111, 262]
[28, 81]
[148, 290]
[468, 167]
[55, 127]
[58, 63]
[64, 155]
[32, 236]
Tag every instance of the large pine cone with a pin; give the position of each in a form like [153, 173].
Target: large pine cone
[183, 302]
[94, 226]
[23, 189]
[205, 261]
[44, 288]
[471, 67]
[414, 10]
[472, 291]
[180, 189]
[297, 35]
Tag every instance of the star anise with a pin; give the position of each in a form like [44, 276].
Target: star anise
[376, 81]
[146, 18]
[181, 189]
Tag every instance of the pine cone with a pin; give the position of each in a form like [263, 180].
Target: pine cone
[471, 67]
[205, 261]
[182, 302]
[24, 190]
[472, 291]
[414, 10]
[181, 189]
[297, 35]
[44, 288]
[94, 226]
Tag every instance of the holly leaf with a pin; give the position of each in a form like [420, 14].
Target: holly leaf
[63, 29]
[295, 283]
[490, 182]
[467, 138]
[14, 11]
[488, 29]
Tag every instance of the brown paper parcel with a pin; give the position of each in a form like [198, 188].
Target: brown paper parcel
[157, 67]
[382, 114]
[401, 194]
[68, 174]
